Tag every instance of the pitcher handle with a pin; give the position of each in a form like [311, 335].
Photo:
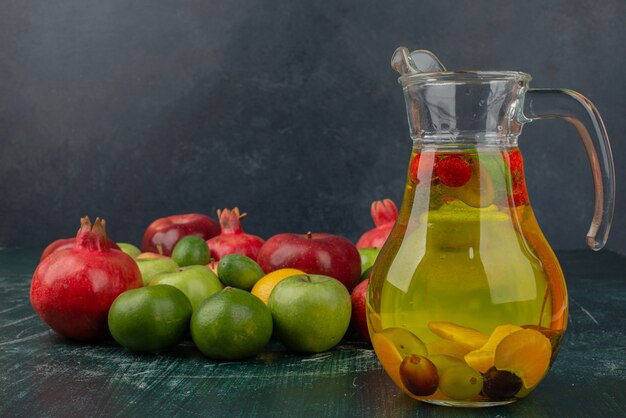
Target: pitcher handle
[580, 112]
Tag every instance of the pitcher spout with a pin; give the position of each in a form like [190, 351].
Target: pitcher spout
[466, 107]
[460, 107]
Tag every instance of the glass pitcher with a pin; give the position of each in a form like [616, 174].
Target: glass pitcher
[467, 303]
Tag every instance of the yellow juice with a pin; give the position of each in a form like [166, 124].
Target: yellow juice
[464, 269]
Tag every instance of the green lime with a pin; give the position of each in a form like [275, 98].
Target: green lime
[150, 319]
[191, 250]
[231, 325]
[239, 271]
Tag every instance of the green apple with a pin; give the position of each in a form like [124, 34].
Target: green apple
[196, 282]
[311, 312]
[368, 257]
[129, 249]
[150, 267]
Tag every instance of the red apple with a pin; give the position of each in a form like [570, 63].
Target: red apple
[325, 254]
[65, 243]
[166, 232]
[359, 318]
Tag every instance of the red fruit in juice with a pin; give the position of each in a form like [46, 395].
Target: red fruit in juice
[422, 166]
[73, 289]
[515, 163]
[413, 167]
[520, 194]
[453, 171]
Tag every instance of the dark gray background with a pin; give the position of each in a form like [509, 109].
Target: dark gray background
[132, 110]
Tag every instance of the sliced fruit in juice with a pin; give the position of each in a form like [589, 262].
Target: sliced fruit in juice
[392, 345]
[447, 347]
[389, 356]
[405, 341]
[483, 358]
[553, 335]
[525, 353]
[467, 337]
[480, 360]
[443, 362]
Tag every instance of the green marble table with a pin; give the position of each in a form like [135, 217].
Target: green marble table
[45, 375]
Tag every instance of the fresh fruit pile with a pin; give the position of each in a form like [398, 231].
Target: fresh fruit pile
[232, 292]
[193, 277]
[466, 364]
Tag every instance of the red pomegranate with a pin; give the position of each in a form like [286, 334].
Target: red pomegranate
[384, 213]
[72, 289]
[232, 239]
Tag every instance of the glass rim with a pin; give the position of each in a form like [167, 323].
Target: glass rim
[461, 76]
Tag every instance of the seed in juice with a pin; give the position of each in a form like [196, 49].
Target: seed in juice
[453, 171]
[500, 384]
[460, 382]
[468, 337]
[483, 358]
[419, 375]
[526, 353]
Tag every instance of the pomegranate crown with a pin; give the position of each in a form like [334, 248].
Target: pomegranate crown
[92, 237]
[230, 220]
[384, 212]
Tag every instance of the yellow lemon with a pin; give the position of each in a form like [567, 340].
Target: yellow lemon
[262, 289]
